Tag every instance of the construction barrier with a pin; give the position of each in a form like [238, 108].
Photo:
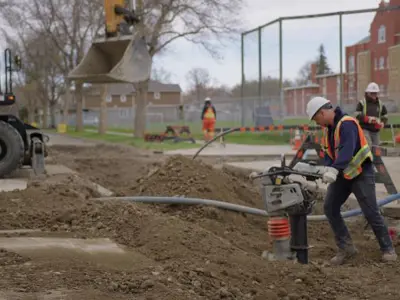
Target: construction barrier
[297, 131]
[175, 133]
[286, 127]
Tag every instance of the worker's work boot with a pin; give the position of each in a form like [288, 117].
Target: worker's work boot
[389, 256]
[343, 255]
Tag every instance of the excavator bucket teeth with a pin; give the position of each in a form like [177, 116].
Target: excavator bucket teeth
[114, 60]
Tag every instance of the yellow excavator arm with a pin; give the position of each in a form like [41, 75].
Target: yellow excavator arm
[117, 12]
[122, 55]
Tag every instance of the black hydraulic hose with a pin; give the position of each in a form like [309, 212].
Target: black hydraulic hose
[214, 139]
[233, 207]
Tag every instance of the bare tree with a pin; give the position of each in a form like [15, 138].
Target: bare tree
[203, 22]
[199, 80]
[304, 75]
[161, 75]
[69, 25]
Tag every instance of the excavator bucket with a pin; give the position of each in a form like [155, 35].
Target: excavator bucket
[114, 60]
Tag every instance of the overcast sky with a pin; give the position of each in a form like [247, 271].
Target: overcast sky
[301, 39]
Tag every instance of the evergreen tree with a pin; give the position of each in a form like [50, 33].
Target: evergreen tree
[322, 62]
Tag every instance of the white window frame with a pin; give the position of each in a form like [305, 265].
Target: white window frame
[352, 65]
[382, 34]
[381, 63]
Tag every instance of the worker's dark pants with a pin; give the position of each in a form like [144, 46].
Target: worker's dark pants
[363, 187]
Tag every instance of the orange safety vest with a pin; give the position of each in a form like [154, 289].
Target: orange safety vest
[354, 168]
[209, 113]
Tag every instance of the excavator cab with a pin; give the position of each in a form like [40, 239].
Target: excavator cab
[121, 56]
[10, 65]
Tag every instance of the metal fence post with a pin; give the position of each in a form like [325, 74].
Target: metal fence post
[259, 65]
[341, 58]
[281, 69]
[243, 80]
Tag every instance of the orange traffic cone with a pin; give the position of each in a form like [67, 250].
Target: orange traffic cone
[297, 140]
[397, 139]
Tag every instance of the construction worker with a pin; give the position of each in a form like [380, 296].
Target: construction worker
[349, 169]
[209, 117]
[371, 113]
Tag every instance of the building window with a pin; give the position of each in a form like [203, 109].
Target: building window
[351, 64]
[157, 96]
[123, 113]
[381, 63]
[376, 63]
[387, 62]
[382, 34]
[108, 98]
[382, 90]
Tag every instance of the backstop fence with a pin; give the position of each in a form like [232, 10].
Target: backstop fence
[287, 61]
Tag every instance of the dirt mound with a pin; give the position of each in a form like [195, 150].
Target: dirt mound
[10, 258]
[114, 167]
[181, 176]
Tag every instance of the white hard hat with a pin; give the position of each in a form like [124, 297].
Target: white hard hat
[372, 88]
[314, 105]
[207, 99]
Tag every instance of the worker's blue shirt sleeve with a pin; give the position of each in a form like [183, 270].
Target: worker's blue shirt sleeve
[327, 160]
[348, 144]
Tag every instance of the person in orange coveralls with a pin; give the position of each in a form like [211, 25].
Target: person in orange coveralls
[209, 117]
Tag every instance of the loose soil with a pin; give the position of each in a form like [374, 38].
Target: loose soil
[183, 252]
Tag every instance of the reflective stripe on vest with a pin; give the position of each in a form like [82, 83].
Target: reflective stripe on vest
[364, 104]
[209, 114]
[354, 168]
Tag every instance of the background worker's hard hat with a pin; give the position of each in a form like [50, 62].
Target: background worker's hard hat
[207, 99]
[372, 88]
[314, 105]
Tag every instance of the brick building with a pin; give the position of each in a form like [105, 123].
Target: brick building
[327, 85]
[374, 58]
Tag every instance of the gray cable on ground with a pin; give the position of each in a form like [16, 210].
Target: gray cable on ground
[235, 207]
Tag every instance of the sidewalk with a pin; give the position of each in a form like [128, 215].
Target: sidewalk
[237, 150]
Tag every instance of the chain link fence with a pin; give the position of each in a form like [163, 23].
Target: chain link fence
[291, 59]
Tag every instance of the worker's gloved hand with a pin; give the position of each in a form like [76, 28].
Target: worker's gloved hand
[379, 125]
[253, 175]
[373, 120]
[330, 175]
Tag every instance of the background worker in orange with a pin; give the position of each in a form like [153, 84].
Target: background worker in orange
[209, 117]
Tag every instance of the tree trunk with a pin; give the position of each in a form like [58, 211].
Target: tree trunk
[141, 108]
[79, 107]
[45, 115]
[67, 100]
[52, 105]
[31, 114]
[103, 111]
